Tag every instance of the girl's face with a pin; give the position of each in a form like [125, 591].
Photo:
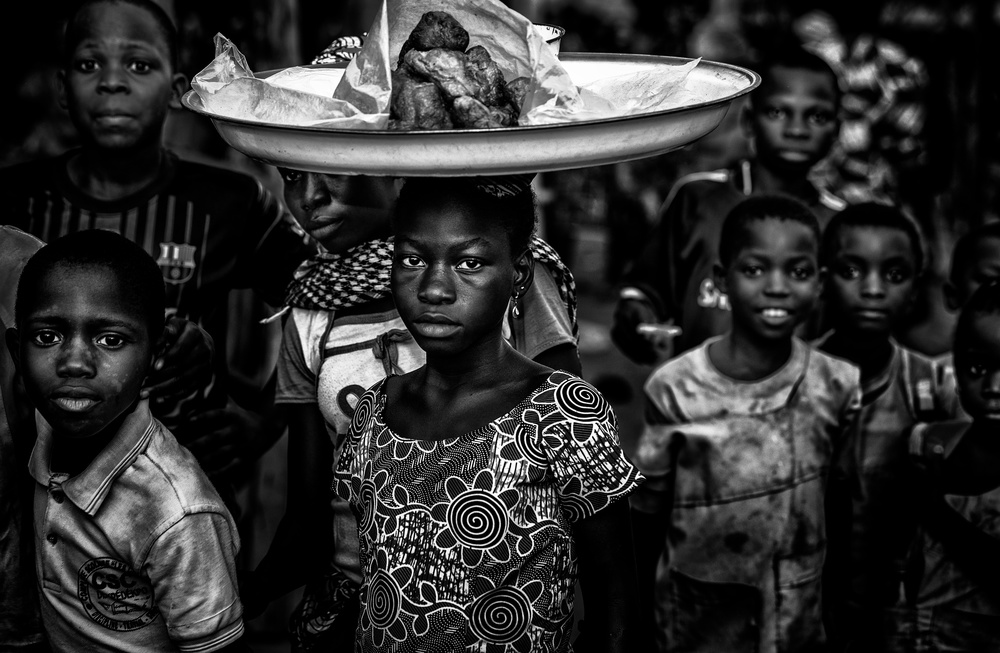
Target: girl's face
[977, 367]
[872, 279]
[773, 281]
[339, 211]
[452, 276]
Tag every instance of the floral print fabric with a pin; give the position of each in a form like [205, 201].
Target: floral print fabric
[467, 542]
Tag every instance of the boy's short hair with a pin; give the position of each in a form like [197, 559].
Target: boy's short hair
[985, 301]
[784, 54]
[872, 214]
[961, 256]
[160, 17]
[136, 271]
[509, 201]
[756, 209]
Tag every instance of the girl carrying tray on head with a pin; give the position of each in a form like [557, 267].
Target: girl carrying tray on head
[342, 336]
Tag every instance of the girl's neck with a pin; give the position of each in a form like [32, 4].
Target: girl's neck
[482, 364]
[113, 176]
[766, 180]
[871, 353]
[749, 359]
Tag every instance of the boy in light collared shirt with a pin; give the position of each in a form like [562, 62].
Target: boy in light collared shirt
[135, 551]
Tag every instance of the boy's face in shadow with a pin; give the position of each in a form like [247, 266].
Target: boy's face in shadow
[83, 348]
[872, 279]
[118, 82]
[977, 367]
[774, 279]
[792, 118]
[983, 266]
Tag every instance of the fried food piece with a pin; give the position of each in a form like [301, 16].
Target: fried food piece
[470, 113]
[517, 89]
[482, 68]
[446, 68]
[505, 116]
[416, 104]
[436, 29]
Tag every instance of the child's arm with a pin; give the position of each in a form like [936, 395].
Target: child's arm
[303, 540]
[607, 576]
[651, 505]
[192, 568]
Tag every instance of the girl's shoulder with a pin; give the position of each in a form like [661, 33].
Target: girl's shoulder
[571, 397]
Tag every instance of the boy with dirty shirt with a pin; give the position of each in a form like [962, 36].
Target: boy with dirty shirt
[740, 433]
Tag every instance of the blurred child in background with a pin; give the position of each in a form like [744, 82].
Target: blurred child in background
[951, 586]
[740, 435]
[874, 257]
[792, 123]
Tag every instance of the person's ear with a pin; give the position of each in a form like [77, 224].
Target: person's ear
[178, 86]
[951, 297]
[62, 95]
[13, 339]
[719, 275]
[524, 272]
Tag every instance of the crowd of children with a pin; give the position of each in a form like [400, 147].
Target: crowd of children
[803, 482]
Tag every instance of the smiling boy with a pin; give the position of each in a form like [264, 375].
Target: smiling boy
[740, 434]
[134, 548]
[791, 123]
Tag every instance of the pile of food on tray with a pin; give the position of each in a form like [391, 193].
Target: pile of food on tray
[433, 65]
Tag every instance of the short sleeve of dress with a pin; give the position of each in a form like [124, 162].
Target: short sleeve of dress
[297, 368]
[192, 567]
[346, 480]
[580, 440]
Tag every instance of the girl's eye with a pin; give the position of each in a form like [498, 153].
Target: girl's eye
[86, 65]
[140, 67]
[897, 275]
[110, 340]
[410, 261]
[46, 338]
[752, 270]
[848, 272]
[469, 265]
[290, 176]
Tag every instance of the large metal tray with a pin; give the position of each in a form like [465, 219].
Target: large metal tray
[536, 148]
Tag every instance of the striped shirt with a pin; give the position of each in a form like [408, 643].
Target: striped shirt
[210, 230]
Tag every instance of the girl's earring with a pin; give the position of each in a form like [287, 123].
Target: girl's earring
[516, 310]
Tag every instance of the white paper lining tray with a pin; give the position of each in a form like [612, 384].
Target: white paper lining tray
[513, 150]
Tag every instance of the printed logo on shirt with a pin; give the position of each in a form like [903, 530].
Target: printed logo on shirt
[177, 262]
[114, 595]
[711, 297]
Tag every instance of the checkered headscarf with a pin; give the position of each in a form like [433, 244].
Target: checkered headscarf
[360, 275]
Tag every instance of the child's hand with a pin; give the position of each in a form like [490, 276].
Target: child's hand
[225, 439]
[637, 332]
[184, 365]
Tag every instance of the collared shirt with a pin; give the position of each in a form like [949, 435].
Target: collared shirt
[137, 552]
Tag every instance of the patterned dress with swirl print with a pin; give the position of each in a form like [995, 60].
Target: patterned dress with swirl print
[467, 542]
